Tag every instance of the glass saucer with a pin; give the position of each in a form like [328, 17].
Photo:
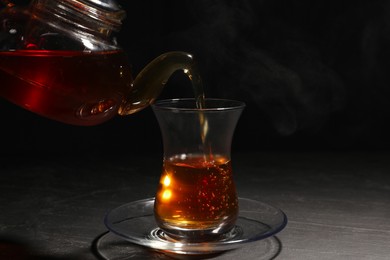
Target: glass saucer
[135, 223]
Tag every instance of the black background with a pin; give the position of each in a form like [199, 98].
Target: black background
[314, 76]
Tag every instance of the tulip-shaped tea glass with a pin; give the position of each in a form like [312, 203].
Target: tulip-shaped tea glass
[196, 199]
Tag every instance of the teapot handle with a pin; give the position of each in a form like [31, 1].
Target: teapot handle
[149, 83]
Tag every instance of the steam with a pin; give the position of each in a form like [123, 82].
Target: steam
[247, 51]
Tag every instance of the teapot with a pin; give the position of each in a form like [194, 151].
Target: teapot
[61, 60]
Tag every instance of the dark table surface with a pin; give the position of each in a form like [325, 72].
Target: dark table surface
[337, 204]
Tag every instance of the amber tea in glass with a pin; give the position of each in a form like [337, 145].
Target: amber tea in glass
[196, 199]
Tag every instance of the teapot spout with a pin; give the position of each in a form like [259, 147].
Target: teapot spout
[149, 83]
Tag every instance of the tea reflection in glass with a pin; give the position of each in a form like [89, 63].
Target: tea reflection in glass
[196, 199]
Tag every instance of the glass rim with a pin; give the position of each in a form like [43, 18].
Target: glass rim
[176, 104]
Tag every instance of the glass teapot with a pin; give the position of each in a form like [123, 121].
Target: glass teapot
[60, 59]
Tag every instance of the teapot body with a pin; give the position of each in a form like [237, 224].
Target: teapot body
[61, 60]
